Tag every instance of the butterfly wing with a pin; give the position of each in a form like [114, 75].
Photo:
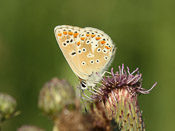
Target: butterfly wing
[97, 51]
[87, 50]
[66, 37]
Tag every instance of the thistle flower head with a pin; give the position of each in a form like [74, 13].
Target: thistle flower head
[119, 93]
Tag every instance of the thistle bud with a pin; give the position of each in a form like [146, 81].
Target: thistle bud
[29, 128]
[7, 107]
[54, 96]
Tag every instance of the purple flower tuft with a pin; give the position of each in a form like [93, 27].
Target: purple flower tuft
[123, 78]
[132, 81]
[118, 93]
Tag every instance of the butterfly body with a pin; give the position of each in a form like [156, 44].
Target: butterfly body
[88, 51]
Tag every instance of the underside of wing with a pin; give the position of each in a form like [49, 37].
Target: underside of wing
[87, 50]
[97, 50]
[67, 40]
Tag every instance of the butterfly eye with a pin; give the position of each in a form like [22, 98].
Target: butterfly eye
[83, 85]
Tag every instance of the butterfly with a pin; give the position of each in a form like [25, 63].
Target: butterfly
[88, 51]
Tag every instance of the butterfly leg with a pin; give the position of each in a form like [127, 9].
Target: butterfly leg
[83, 103]
[96, 91]
[93, 91]
[100, 85]
[105, 72]
[87, 97]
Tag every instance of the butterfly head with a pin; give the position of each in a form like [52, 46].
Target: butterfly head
[83, 85]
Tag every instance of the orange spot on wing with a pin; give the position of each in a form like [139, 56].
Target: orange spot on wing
[92, 36]
[82, 38]
[70, 33]
[103, 42]
[78, 43]
[65, 33]
[97, 38]
[59, 34]
[107, 47]
[75, 34]
[87, 35]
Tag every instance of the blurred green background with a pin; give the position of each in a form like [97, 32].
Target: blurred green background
[144, 33]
